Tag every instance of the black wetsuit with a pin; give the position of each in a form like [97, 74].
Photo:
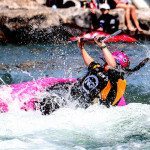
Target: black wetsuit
[108, 22]
[92, 84]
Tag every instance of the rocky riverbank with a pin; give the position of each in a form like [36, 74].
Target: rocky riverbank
[32, 22]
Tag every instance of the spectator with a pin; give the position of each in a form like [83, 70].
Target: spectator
[130, 13]
[92, 4]
[84, 3]
[106, 22]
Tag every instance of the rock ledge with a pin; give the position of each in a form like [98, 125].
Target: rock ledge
[43, 24]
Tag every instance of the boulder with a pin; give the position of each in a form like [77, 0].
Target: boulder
[28, 21]
[19, 4]
[141, 4]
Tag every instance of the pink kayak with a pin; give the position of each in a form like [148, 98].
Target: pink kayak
[117, 38]
[27, 93]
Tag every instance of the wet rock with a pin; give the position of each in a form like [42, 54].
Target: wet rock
[30, 65]
[20, 4]
[4, 66]
[141, 4]
[29, 21]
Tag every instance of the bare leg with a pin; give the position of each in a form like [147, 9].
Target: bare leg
[134, 17]
[127, 15]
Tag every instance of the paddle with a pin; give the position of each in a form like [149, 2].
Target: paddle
[111, 35]
[139, 66]
[105, 39]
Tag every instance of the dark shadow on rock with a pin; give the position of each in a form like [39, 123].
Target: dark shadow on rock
[69, 4]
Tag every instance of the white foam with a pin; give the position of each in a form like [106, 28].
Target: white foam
[97, 124]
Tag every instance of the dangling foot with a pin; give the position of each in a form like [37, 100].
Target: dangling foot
[132, 29]
[140, 30]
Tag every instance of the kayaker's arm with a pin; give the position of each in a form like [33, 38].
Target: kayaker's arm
[86, 57]
[107, 54]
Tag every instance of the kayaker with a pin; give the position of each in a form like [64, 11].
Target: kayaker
[104, 84]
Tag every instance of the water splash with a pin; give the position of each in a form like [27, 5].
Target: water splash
[67, 128]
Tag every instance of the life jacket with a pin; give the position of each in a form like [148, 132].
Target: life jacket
[108, 86]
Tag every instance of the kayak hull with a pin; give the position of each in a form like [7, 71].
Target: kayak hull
[27, 93]
[118, 38]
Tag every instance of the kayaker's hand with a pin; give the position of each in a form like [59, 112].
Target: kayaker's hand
[100, 43]
[80, 43]
[100, 29]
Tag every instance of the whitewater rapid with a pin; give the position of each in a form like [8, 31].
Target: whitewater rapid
[67, 128]
[95, 128]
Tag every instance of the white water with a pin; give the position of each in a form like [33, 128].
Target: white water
[94, 128]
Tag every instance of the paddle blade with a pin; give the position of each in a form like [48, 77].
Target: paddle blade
[111, 35]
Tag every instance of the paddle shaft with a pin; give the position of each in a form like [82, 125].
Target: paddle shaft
[111, 35]
[139, 66]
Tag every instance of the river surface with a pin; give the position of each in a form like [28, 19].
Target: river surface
[96, 128]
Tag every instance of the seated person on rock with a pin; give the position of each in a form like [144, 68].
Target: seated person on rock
[107, 22]
[130, 14]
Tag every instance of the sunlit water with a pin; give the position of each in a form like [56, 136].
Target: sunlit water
[76, 129]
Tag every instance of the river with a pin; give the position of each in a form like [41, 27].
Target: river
[96, 128]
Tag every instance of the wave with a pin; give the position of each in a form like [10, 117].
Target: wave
[69, 128]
